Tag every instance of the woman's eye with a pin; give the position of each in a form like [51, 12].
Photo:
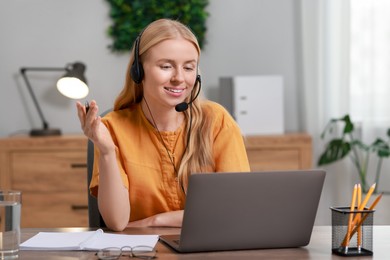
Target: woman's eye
[165, 66]
[189, 68]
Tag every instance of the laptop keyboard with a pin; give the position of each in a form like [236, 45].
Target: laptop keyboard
[176, 241]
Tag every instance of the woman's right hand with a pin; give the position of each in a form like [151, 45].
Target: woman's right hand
[93, 127]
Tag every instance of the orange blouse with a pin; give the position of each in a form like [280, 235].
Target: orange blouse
[145, 166]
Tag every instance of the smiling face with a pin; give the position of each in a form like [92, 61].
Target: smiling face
[170, 72]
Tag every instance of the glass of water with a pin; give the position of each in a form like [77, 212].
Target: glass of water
[10, 209]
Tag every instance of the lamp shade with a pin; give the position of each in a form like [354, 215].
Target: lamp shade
[73, 84]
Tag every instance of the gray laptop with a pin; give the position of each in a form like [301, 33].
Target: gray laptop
[236, 211]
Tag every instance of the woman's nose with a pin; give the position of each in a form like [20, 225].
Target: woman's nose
[178, 75]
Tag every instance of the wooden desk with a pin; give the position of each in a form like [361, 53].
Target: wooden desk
[318, 249]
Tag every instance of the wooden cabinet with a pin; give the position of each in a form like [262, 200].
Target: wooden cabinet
[279, 152]
[51, 173]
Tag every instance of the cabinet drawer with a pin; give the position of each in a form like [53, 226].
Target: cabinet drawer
[269, 159]
[55, 209]
[49, 171]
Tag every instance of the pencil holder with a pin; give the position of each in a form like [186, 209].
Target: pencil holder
[352, 231]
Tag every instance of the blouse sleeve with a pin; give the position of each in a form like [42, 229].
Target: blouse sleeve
[229, 149]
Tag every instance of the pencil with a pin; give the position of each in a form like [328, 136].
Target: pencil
[352, 207]
[364, 203]
[369, 193]
[359, 216]
[366, 214]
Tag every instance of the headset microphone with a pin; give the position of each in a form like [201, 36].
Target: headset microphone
[183, 106]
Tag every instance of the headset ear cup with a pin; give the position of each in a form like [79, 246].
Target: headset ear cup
[137, 72]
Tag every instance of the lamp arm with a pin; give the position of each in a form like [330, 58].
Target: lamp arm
[32, 94]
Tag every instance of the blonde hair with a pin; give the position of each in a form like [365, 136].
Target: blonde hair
[198, 156]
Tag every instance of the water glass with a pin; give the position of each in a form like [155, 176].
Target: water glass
[10, 209]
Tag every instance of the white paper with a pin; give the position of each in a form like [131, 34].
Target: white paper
[89, 240]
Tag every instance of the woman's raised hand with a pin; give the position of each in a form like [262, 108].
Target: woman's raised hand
[93, 128]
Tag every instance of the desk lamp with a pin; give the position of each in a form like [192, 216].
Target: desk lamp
[72, 85]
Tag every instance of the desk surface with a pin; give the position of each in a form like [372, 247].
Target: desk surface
[319, 247]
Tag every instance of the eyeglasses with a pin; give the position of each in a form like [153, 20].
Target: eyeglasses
[142, 252]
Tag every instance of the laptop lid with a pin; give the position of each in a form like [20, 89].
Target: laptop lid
[232, 211]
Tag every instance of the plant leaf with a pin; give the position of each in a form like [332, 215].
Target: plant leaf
[348, 128]
[335, 150]
[381, 148]
[130, 17]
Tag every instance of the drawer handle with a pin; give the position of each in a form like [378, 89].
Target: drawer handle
[79, 207]
[78, 165]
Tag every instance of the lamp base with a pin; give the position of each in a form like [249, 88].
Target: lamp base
[45, 132]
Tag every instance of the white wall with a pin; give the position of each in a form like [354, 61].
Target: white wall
[250, 38]
[52, 33]
[244, 38]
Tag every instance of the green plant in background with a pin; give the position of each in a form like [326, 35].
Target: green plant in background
[348, 144]
[131, 16]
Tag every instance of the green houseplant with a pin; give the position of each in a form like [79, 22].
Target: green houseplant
[129, 18]
[348, 144]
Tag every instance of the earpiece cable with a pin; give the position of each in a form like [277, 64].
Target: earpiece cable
[163, 142]
[161, 138]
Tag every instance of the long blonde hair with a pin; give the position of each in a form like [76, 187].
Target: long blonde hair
[198, 156]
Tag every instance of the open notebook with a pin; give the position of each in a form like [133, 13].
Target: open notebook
[89, 240]
[232, 211]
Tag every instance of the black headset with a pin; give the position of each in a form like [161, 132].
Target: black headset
[136, 70]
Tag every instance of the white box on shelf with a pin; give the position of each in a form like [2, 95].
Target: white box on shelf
[255, 102]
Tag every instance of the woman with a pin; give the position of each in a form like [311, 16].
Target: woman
[145, 149]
